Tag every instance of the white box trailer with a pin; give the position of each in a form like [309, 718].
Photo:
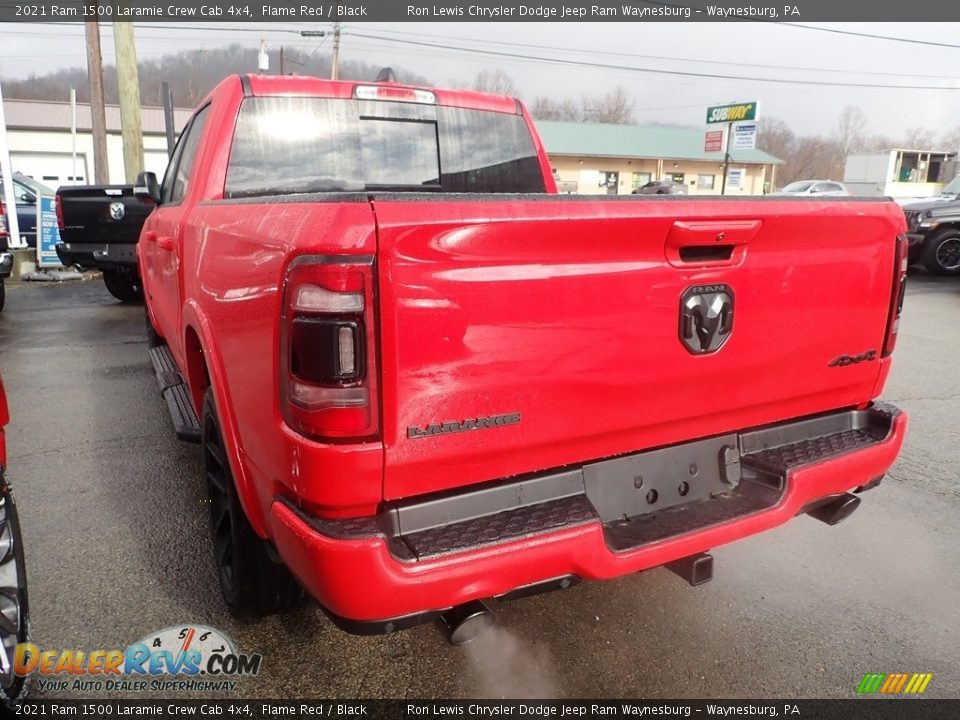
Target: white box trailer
[899, 173]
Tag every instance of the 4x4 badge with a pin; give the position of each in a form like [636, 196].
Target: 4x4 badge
[706, 317]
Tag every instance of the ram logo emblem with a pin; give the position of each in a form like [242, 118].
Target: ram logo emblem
[706, 318]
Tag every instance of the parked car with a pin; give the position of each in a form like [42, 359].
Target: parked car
[25, 191]
[6, 259]
[950, 192]
[14, 610]
[661, 187]
[933, 231]
[415, 392]
[99, 228]
[820, 188]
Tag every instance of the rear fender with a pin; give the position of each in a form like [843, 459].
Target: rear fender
[195, 319]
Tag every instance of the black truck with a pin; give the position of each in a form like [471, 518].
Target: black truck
[99, 228]
[6, 259]
[933, 230]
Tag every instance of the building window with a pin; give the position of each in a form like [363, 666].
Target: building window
[639, 180]
[705, 182]
[677, 177]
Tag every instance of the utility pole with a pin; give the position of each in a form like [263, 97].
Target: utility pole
[263, 58]
[128, 80]
[6, 170]
[98, 112]
[335, 58]
[166, 99]
[726, 159]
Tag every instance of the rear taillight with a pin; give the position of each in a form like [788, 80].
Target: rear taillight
[896, 298]
[59, 205]
[328, 373]
[3, 222]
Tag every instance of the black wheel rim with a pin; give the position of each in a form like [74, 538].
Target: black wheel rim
[12, 591]
[221, 516]
[948, 254]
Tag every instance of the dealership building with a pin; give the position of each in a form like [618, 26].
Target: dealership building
[43, 144]
[602, 159]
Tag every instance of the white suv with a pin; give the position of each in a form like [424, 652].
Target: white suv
[830, 188]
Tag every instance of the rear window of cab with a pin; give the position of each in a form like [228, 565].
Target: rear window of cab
[286, 145]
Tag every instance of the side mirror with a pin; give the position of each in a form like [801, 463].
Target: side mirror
[147, 188]
[28, 198]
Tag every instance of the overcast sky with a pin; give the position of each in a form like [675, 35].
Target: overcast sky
[739, 49]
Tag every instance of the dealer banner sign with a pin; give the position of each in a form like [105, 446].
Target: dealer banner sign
[48, 232]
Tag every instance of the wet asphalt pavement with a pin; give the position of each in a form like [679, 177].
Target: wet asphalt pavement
[117, 547]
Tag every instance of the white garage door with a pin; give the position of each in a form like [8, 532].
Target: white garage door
[53, 169]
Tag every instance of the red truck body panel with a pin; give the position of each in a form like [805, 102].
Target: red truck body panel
[564, 312]
[4, 419]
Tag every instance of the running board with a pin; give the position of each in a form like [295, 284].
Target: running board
[176, 394]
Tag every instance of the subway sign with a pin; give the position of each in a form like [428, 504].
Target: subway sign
[732, 113]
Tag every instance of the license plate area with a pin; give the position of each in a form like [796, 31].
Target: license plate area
[646, 483]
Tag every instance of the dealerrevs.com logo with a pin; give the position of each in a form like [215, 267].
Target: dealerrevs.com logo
[181, 658]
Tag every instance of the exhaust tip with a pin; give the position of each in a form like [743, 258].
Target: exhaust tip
[467, 622]
[836, 510]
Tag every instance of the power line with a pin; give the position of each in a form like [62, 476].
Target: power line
[872, 36]
[662, 57]
[629, 68]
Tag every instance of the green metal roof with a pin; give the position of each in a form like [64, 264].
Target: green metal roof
[636, 141]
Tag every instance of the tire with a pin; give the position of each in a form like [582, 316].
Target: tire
[14, 608]
[941, 252]
[3, 295]
[125, 287]
[252, 584]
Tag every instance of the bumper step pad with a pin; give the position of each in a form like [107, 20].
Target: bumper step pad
[754, 465]
[176, 394]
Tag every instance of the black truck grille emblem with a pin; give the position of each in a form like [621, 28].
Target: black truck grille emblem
[706, 318]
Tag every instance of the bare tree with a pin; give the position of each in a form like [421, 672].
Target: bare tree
[814, 157]
[191, 73]
[545, 108]
[494, 81]
[876, 143]
[775, 137]
[850, 133]
[616, 107]
[920, 139]
[950, 140]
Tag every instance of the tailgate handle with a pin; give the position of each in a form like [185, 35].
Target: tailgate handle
[705, 253]
[709, 242]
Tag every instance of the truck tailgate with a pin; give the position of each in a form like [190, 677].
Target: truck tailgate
[101, 214]
[521, 333]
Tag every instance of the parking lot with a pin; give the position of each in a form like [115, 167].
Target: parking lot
[117, 541]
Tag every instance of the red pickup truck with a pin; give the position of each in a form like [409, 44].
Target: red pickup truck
[422, 379]
[14, 613]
